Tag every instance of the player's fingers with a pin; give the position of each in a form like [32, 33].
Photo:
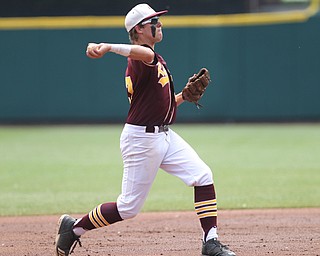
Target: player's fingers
[90, 50]
[99, 46]
[91, 46]
[97, 50]
[92, 54]
[102, 48]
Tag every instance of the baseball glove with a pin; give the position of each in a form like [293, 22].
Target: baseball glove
[196, 86]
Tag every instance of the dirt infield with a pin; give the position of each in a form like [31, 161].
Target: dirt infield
[248, 232]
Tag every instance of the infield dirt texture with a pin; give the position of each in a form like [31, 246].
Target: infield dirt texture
[275, 232]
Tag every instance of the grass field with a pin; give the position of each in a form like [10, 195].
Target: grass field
[56, 169]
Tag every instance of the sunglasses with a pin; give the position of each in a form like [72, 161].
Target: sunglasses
[152, 21]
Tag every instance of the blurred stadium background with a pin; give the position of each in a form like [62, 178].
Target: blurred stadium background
[264, 57]
[16, 8]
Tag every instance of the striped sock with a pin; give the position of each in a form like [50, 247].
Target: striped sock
[205, 204]
[101, 216]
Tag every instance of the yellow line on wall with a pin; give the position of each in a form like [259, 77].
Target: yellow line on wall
[78, 22]
[234, 19]
[62, 22]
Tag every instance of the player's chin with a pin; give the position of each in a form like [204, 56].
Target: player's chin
[159, 36]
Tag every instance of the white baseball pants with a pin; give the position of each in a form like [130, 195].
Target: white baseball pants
[144, 153]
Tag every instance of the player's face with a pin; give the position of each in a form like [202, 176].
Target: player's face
[153, 26]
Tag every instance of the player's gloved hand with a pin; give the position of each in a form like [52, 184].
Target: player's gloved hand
[196, 86]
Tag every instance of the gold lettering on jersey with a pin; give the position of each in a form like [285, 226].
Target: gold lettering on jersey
[129, 87]
[162, 72]
[129, 84]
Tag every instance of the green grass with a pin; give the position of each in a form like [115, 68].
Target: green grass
[56, 169]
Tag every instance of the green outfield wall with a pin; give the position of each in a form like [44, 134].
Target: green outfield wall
[264, 68]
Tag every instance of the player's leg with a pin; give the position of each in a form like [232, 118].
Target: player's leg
[182, 161]
[140, 169]
[70, 229]
[142, 156]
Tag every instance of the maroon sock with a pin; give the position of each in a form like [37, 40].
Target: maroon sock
[101, 216]
[206, 207]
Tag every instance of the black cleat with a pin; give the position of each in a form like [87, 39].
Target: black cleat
[214, 248]
[66, 238]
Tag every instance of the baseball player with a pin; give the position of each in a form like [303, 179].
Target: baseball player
[147, 142]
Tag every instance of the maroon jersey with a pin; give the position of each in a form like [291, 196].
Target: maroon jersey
[151, 93]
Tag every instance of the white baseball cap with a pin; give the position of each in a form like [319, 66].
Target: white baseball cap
[139, 13]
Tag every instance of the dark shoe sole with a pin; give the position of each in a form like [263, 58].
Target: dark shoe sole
[58, 251]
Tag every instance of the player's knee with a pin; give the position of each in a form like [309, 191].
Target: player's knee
[205, 177]
[128, 214]
[128, 210]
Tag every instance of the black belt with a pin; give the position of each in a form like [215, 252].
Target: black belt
[162, 128]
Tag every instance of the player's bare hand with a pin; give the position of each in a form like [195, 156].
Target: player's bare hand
[96, 51]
